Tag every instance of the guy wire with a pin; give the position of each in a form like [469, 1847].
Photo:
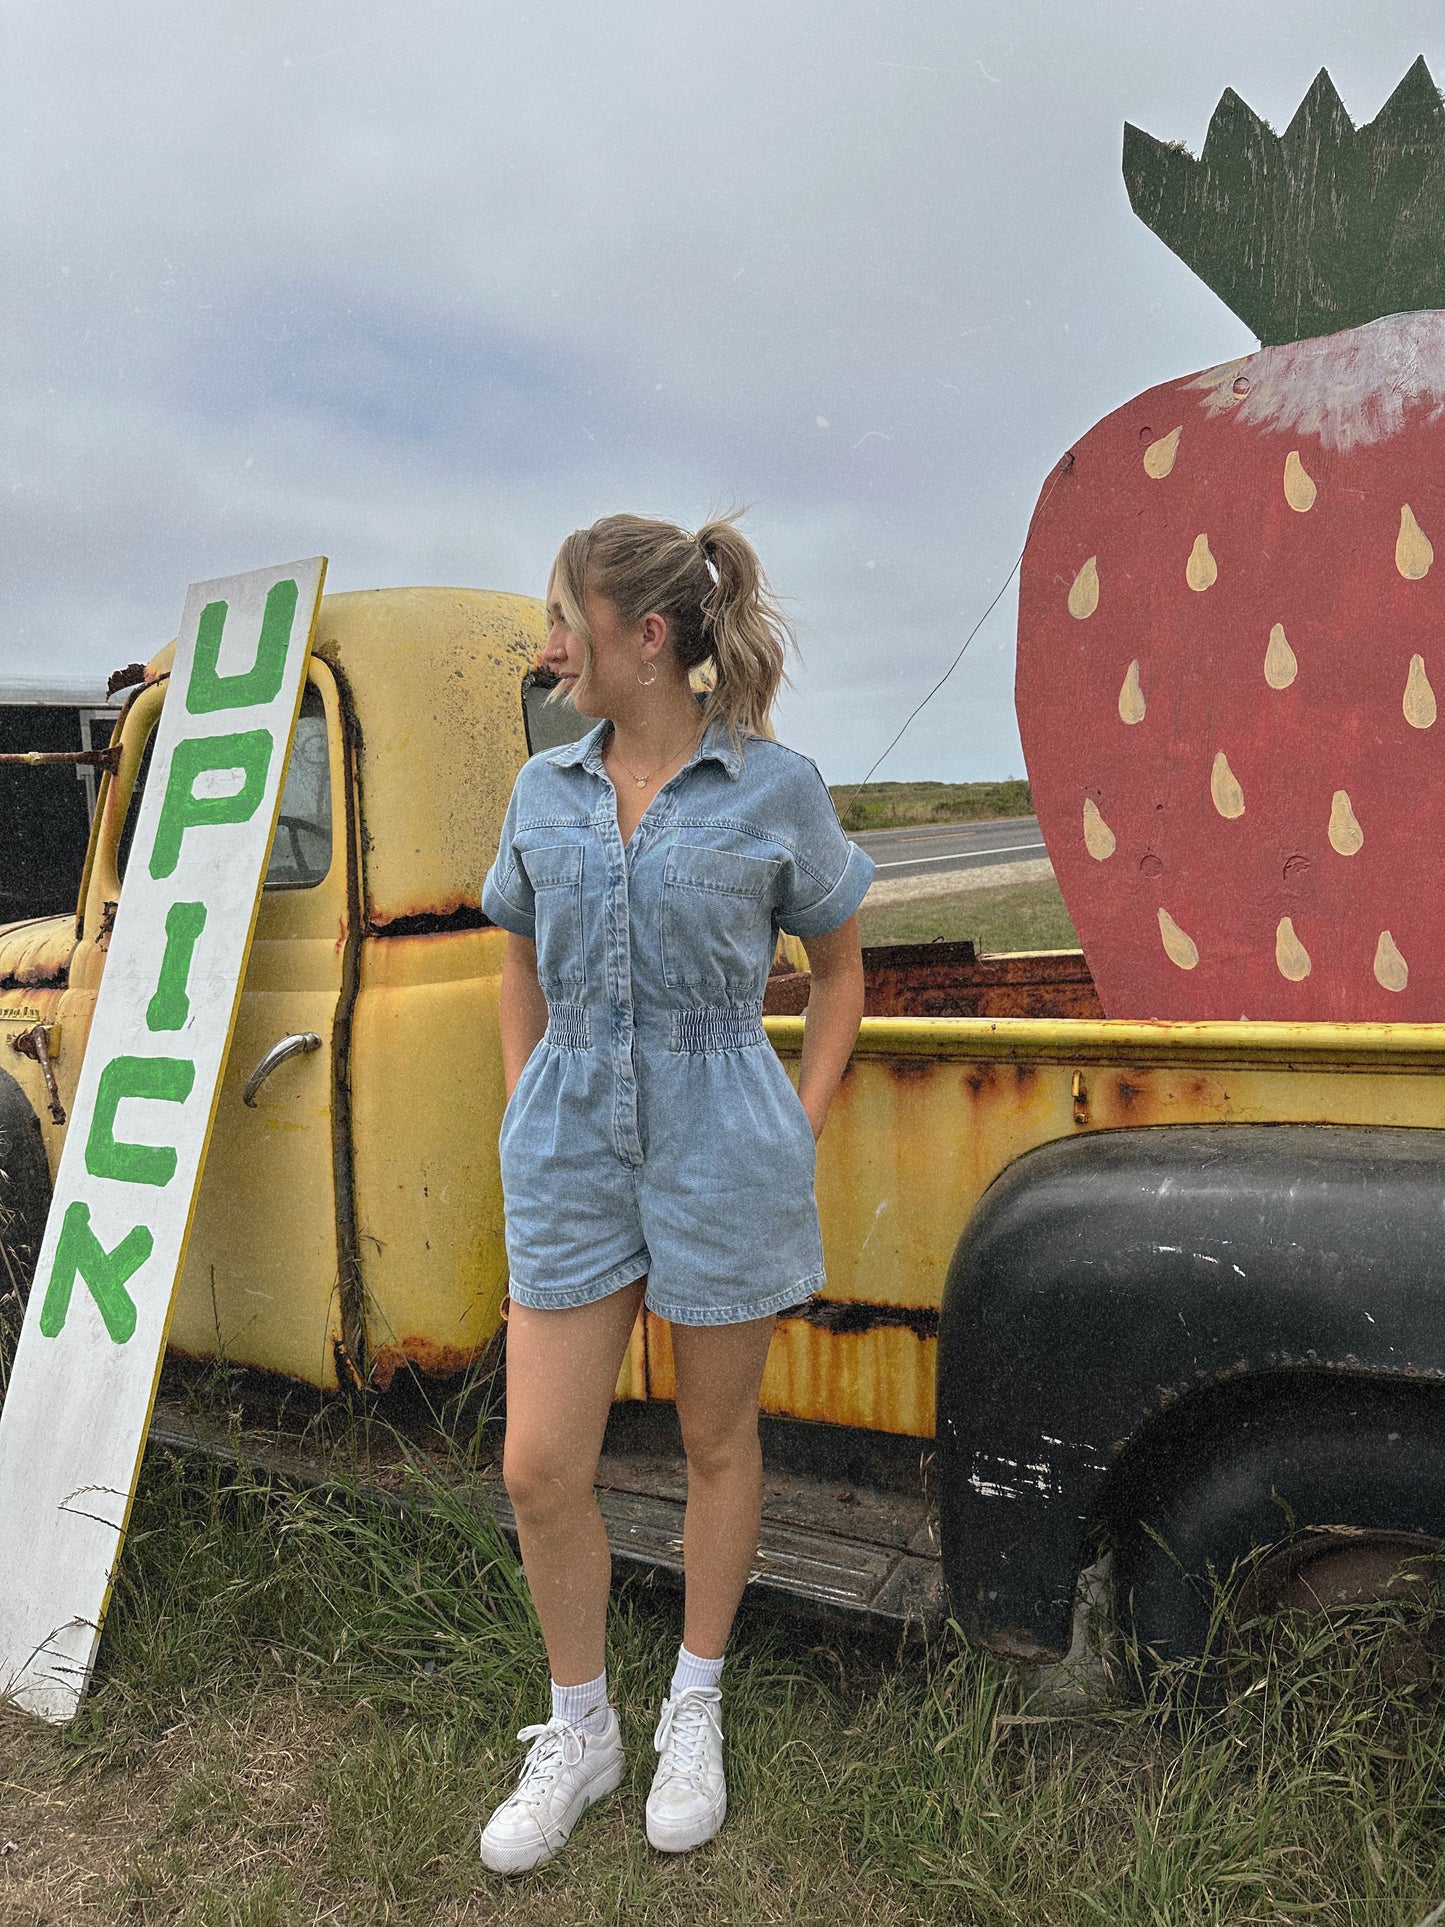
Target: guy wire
[1061, 469]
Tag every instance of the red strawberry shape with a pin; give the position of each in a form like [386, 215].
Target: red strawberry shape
[1231, 642]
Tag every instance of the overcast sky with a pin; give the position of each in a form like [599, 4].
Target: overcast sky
[423, 286]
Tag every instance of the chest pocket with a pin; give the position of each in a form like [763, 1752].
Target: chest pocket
[717, 922]
[555, 874]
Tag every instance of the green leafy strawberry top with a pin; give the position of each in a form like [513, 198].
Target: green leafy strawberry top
[1323, 227]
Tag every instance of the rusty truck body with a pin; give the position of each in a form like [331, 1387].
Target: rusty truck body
[1085, 1280]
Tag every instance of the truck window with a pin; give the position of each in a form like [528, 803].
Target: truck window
[549, 724]
[301, 853]
[45, 812]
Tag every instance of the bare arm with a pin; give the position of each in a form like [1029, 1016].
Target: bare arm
[835, 1010]
[523, 1010]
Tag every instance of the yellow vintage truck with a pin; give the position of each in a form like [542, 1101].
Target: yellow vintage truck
[1088, 1282]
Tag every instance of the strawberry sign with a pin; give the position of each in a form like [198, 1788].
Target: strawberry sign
[79, 1399]
[1231, 616]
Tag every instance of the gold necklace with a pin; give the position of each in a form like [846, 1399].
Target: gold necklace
[643, 781]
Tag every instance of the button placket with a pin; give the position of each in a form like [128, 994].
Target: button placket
[618, 923]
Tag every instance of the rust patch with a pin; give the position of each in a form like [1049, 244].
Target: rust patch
[912, 1070]
[786, 994]
[37, 955]
[432, 923]
[950, 980]
[126, 678]
[879, 1377]
[426, 1355]
[847, 1316]
[386, 1362]
[1127, 1093]
[1025, 1075]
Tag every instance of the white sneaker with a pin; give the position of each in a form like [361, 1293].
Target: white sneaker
[564, 1772]
[689, 1797]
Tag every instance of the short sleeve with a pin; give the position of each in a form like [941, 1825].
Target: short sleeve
[827, 876]
[507, 898]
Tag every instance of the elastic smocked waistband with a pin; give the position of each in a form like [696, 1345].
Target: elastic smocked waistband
[569, 1027]
[714, 1027]
[703, 1028]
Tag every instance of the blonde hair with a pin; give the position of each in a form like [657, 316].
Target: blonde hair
[711, 589]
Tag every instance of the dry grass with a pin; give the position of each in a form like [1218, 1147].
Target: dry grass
[304, 1709]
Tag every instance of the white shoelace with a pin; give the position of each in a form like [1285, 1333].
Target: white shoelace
[680, 1733]
[554, 1746]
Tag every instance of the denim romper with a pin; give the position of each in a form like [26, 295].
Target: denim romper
[654, 1129]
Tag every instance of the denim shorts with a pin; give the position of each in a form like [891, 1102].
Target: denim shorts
[723, 1225]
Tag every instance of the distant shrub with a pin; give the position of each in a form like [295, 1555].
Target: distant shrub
[892, 806]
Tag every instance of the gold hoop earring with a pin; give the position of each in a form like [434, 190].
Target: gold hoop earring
[648, 681]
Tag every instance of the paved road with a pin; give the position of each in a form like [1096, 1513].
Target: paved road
[954, 846]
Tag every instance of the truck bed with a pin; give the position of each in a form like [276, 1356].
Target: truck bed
[952, 980]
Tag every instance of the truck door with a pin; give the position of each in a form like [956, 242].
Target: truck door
[260, 1286]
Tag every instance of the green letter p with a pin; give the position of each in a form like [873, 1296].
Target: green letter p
[248, 750]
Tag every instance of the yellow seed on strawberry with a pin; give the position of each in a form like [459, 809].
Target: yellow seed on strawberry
[1290, 955]
[1299, 490]
[1413, 550]
[1159, 456]
[1178, 948]
[1419, 703]
[1201, 571]
[1346, 836]
[1099, 839]
[1084, 596]
[1224, 788]
[1391, 970]
[1280, 667]
[1131, 697]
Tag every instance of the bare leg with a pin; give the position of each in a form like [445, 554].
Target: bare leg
[562, 1370]
[719, 1369]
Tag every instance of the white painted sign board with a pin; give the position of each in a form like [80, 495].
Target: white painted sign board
[74, 1421]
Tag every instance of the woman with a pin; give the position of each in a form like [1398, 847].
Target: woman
[653, 1148]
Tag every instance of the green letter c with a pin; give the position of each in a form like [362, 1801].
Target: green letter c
[166, 1078]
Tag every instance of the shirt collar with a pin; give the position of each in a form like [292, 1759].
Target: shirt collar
[717, 746]
[582, 751]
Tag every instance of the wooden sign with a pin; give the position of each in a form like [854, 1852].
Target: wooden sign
[83, 1382]
[1231, 613]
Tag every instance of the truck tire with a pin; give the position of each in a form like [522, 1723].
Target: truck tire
[24, 1205]
[1317, 1501]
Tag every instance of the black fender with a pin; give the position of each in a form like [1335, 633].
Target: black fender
[1107, 1280]
[24, 1204]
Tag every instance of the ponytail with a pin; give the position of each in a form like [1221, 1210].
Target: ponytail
[747, 634]
[721, 612]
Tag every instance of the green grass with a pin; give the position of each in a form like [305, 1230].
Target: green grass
[1012, 916]
[890, 806]
[304, 1708]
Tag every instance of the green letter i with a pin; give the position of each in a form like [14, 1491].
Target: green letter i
[170, 1007]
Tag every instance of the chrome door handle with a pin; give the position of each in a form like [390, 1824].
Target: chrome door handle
[300, 1043]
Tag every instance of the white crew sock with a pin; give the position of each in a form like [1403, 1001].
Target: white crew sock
[583, 1707]
[692, 1671]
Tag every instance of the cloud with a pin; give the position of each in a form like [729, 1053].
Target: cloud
[423, 288]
